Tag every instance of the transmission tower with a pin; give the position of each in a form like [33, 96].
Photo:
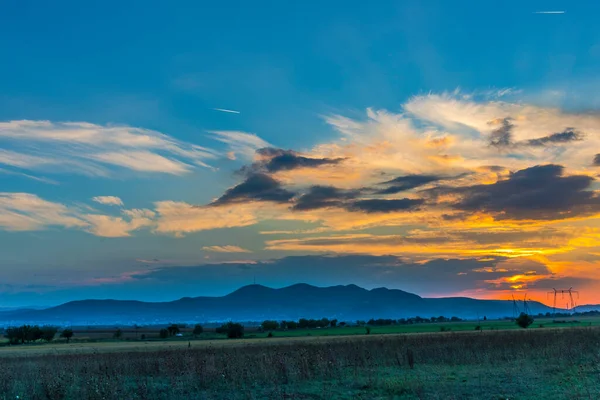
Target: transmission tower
[516, 312]
[571, 306]
[554, 292]
[525, 305]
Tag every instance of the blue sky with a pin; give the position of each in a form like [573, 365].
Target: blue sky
[119, 100]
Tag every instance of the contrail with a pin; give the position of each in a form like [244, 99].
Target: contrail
[549, 12]
[226, 110]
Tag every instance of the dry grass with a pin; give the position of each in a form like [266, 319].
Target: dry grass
[511, 364]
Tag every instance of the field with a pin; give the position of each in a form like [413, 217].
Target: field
[490, 364]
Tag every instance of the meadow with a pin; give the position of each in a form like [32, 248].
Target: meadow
[489, 364]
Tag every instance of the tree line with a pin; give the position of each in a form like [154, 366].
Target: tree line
[304, 323]
[33, 333]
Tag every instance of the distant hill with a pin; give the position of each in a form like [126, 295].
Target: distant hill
[588, 307]
[257, 303]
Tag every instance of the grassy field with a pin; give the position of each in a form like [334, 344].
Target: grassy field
[500, 364]
[94, 334]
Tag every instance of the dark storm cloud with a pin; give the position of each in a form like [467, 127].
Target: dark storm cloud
[502, 137]
[568, 135]
[408, 182]
[324, 197]
[257, 187]
[384, 206]
[285, 160]
[540, 192]
[597, 160]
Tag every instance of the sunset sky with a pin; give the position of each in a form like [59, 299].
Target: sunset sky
[442, 148]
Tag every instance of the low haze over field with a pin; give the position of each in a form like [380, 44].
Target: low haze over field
[191, 151]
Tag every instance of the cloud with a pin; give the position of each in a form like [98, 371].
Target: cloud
[403, 183]
[502, 136]
[226, 249]
[323, 197]
[110, 226]
[108, 200]
[226, 110]
[539, 192]
[275, 160]
[568, 135]
[28, 212]
[179, 218]
[257, 187]
[596, 160]
[35, 178]
[240, 143]
[438, 277]
[97, 150]
[384, 206]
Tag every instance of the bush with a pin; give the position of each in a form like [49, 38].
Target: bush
[269, 325]
[478, 328]
[368, 330]
[270, 334]
[118, 334]
[48, 333]
[164, 333]
[232, 330]
[524, 320]
[198, 329]
[67, 334]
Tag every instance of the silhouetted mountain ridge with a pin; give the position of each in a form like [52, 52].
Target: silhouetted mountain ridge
[258, 302]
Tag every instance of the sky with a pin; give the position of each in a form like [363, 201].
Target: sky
[154, 152]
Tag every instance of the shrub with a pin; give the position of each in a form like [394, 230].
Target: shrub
[524, 320]
[48, 333]
[198, 329]
[368, 330]
[164, 333]
[269, 325]
[118, 334]
[232, 330]
[478, 328]
[270, 334]
[67, 334]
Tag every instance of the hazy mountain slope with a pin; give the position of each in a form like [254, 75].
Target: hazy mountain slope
[256, 302]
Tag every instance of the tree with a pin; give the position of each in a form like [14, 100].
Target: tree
[197, 330]
[173, 329]
[48, 333]
[232, 330]
[164, 333]
[269, 325]
[292, 325]
[118, 334]
[67, 334]
[33, 333]
[333, 323]
[524, 320]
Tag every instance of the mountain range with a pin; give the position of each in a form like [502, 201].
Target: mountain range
[257, 303]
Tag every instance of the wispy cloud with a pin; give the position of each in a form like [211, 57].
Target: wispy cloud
[108, 200]
[242, 143]
[549, 12]
[226, 249]
[226, 110]
[97, 150]
[35, 178]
